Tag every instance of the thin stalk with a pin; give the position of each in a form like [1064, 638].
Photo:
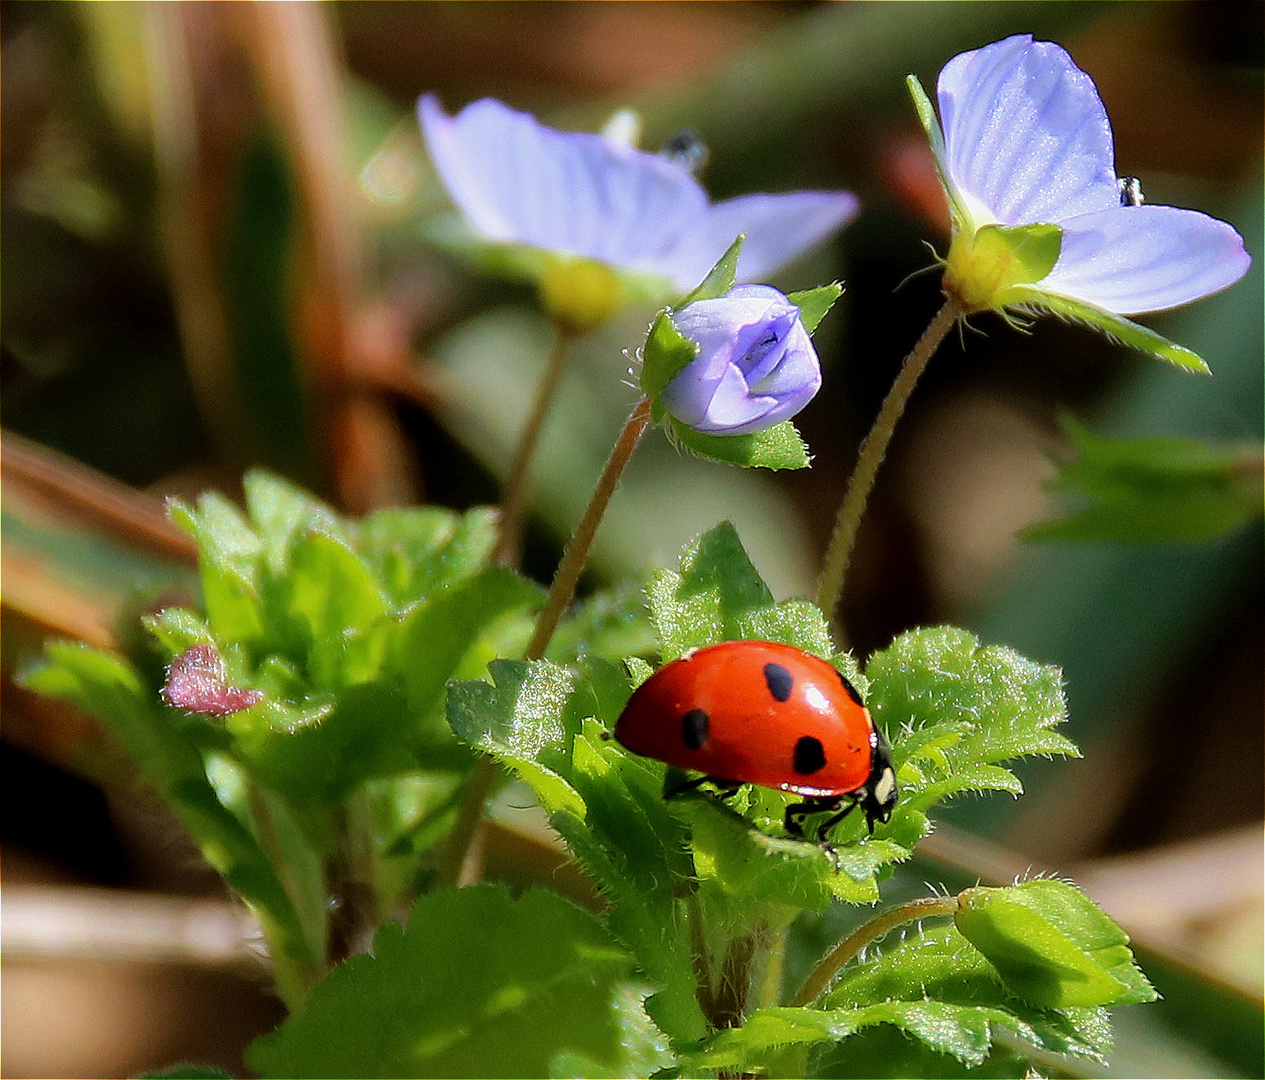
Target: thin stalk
[509, 543]
[456, 866]
[839, 553]
[852, 945]
[577, 552]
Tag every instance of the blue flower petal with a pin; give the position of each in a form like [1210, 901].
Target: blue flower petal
[1135, 259]
[778, 228]
[1026, 134]
[518, 181]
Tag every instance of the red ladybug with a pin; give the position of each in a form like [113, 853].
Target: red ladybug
[756, 712]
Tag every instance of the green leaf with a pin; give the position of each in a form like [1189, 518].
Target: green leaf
[108, 688]
[332, 594]
[954, 709]
[1154, 489]
[447, 637]
[612, 622]
[719, 279]
[666, 353]
[643, 1049]
[369, 731]
[813, 304]
[477, 985]
[280, 512]
[522, 718]
[933, 986]
[548, 724]
[416, 551]
[229, 554]
[1052, 945]
[707, 600]
[1116, 327]
[778, 447]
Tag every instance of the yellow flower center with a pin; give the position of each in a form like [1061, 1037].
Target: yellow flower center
[578, 293]
[982, 265]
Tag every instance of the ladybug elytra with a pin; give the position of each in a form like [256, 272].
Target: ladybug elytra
[758, 712]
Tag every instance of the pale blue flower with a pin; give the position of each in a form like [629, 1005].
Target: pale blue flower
[756, 365]
[517, 181]
[1026, 142]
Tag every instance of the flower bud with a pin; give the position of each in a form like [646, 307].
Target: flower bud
[756, 365]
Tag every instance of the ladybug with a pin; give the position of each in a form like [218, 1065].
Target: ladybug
[756, 712]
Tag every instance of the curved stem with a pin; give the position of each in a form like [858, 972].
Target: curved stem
[912, 911]
[458, 864]
[577, 552]
[873, 450]
[509, 543]
[456, 867]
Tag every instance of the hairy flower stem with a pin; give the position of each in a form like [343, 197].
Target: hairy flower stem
[838, 554]
[577, 553]
[865, 935]
[509, 543]
[457, 865]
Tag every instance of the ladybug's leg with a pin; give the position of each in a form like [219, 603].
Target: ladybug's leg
[814, 804]
[727, 787]
[833, 821]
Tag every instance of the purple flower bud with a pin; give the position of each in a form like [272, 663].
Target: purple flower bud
[756, 365]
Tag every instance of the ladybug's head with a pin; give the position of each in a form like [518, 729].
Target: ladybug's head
[881, 792]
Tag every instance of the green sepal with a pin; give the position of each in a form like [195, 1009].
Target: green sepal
[1033, 248]
[666, 353]
[1114, 326]
[813, 304]
[1052, 945]
[778, 447]
[719, 279]
[962, 220]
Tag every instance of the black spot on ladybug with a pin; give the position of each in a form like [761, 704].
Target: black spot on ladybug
[810, 755]
[694, 728]
[780, 681]
[852, 690]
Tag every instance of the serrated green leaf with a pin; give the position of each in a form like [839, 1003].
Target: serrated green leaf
[177, 629]
[931, 984]
[612, 622]
[369, 731]
[280, 511]
[965, 707]
[643, 1049]
[229, 557]
[1116, 327]
[720, 278]
[1052, 945]
[440, 640]
[331, 593]
[707, 600]
[416, 551]
[108, 688]
[753, 867]
[793, 622]
[521, 718]
[548, 724]
[778, 447]
[814, 304]
[666, 353]
[1154, 489]
[477, 985]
